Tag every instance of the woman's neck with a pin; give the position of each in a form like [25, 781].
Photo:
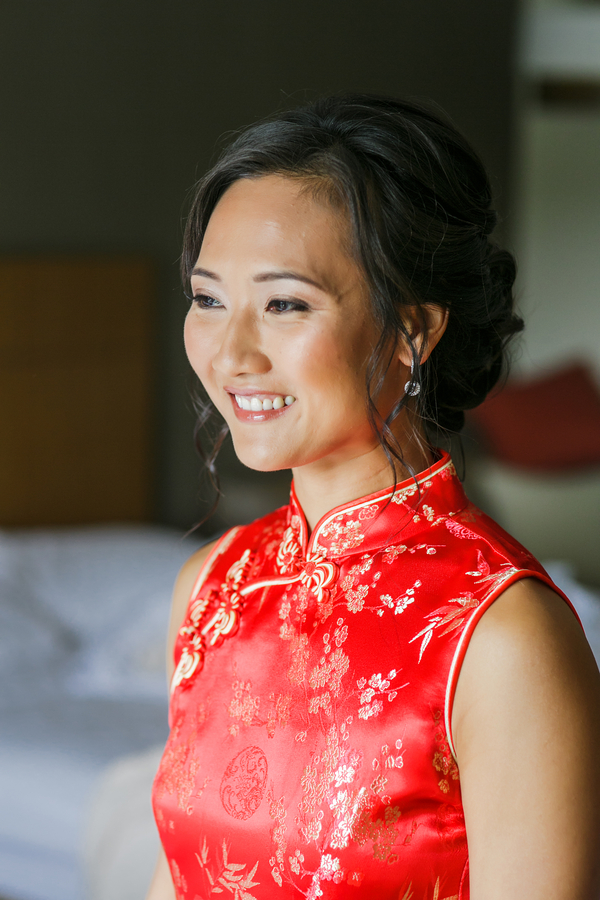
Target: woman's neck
[321, 487]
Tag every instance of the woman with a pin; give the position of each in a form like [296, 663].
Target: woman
[376, 691]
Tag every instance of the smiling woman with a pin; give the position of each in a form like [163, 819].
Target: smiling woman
[281, 316]
[361, 681]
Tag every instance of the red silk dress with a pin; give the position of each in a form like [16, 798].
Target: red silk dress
[310, 752]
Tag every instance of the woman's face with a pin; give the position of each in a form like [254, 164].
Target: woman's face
[281, 328]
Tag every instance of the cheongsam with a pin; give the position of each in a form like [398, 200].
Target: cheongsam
[310, 752]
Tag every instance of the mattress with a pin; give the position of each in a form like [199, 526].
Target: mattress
[83, 618]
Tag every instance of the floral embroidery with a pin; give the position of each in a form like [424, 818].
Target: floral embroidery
[495, 580]
[401, 496]
[450, 616]
[279, 713]
[393, 552]
[460, 531]
[483, 567]
[401, 602]
[355, 600]
[295, 861]
[342, 534]
[428, 512]
[179, 881]
[378, 687]
[180, 764]
[317, 777]
[382, 832]
[368, 512]
[223, 622]
[227, 876]
[243, 707]
[329, 671]
[277, 812]
[300, 654]
[446, 473]
[443, 761]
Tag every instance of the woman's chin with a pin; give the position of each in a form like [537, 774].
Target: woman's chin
[261, 459]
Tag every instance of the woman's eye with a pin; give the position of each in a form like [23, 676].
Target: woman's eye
[282, 306]
[206, 302]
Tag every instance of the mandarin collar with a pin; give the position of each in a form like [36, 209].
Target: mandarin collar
[386, 517]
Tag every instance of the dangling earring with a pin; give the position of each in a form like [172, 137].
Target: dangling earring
[412, 387]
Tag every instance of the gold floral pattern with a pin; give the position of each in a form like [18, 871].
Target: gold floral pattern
[201, 628]
[227, 877]
[443, 761]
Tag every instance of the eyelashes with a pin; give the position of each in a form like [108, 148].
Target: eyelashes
[204, 301]
[283, 306]
[278, 306]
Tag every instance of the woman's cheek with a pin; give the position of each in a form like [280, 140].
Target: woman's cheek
[197, 352]
[188, 340]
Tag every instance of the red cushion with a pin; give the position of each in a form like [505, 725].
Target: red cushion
[552, 423]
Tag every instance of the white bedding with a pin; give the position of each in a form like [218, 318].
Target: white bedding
[83, 617]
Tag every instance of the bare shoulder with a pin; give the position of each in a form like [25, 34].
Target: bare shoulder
[529, 640]
[181, 594]
[526, 727]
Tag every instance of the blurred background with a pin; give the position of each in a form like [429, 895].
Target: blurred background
[109, 112]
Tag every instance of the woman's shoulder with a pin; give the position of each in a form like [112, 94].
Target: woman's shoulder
[184, 584]
[527, 657]
[526, 727]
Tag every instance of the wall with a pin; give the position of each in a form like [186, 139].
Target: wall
[111, 108]
[558, 237]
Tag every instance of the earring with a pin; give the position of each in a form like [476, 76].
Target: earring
[412, 387]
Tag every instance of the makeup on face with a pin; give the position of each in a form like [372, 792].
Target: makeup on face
[281, 328]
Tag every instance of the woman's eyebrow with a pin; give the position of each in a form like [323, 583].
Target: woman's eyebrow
[266, 276]
[294, 276]
[205, 273]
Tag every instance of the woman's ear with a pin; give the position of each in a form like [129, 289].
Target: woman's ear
[425, 327]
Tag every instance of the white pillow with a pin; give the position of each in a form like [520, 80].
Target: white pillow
[104, 592]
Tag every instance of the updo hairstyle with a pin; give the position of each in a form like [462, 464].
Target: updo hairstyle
[419, 203]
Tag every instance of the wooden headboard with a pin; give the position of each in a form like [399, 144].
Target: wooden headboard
[75, 390]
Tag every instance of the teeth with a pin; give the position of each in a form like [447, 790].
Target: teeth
[255, 404]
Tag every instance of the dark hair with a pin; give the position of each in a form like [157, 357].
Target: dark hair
[419, 202]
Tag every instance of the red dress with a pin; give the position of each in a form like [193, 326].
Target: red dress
[310, 751]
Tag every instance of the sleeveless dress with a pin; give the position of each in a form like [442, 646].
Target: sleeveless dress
[310, 752]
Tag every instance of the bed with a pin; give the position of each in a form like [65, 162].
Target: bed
[83, 616]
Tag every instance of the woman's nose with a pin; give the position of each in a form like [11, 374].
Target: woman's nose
[240, 352]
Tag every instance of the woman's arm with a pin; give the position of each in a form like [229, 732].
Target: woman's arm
[526, 725]
[161, 887]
